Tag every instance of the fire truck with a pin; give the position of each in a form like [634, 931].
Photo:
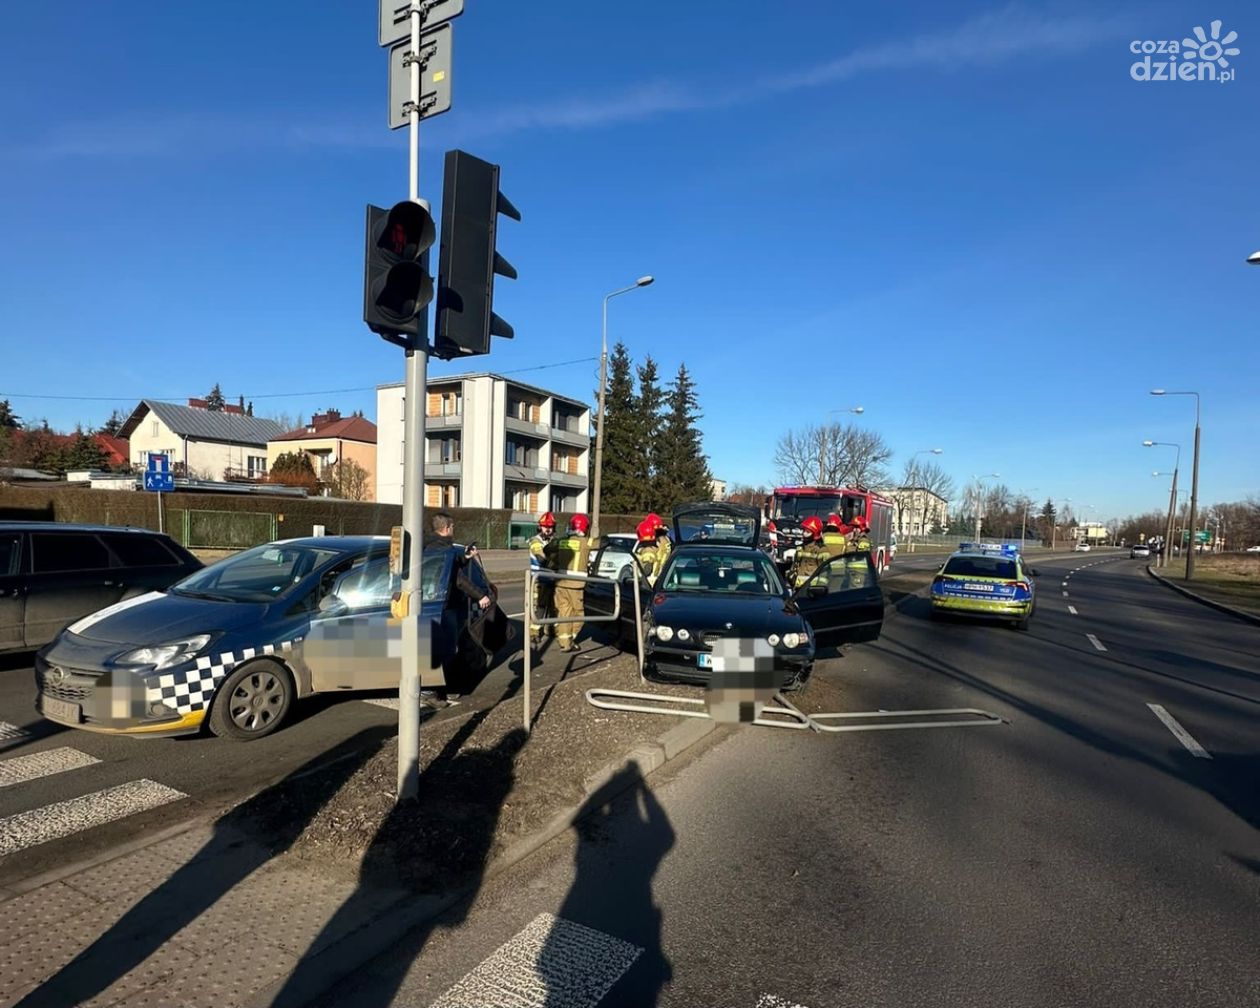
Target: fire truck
[791, 505]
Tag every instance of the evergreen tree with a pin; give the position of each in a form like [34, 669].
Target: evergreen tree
[113, 425]
[84, 452]
[620, 492]
[648, 407]
[215, 400]
[294, 469]
[683, 471]
[8, 418]
[1046, 519]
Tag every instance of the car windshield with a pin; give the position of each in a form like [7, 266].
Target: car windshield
[261, 574]
[803, 507]
[980, 566]
[748, 573]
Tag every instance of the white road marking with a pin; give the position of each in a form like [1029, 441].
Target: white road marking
[515, 615]
[1072, 610]
[1098, 645]
[1183, 736]
[771, 1001]
[390, 702]
[21, 769]
[551, 962]
[1065, 594]
[27, 829]
[1065, 584]
[10, 731]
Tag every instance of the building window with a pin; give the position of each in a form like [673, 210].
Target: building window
[256, 466]
[446, 403]
[153, 428]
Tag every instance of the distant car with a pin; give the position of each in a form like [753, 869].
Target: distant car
[1253, 549]
[236, 644]
[1139, 550]
[1081, 547]
[615, 555]
[989, 582]
[719, 586]
[51, 573]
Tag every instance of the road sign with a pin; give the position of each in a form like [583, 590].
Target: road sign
[396, 18]
[159, 476]
[435, 76]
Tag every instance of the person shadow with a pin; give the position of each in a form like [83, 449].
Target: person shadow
[623, 836]
[447, 836]
[233, 852]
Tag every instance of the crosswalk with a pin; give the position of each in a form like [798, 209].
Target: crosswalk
[55, 820]
[554, 963]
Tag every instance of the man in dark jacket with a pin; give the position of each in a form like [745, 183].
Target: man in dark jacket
[442, 533]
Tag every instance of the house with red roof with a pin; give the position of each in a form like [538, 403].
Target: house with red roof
[328, 439]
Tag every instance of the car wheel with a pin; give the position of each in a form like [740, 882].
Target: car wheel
[253, 701]
[1022, 625]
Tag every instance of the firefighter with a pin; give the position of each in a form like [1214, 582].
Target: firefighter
[811, 554]
[572, 555]
[858, 561]
[653, 548]
[542, 557]
[835, 536]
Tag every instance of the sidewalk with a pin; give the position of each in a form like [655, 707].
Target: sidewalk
[288, 893]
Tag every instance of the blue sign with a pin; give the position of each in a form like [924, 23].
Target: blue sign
[159, 476]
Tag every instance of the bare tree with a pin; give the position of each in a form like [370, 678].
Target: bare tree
[349, 480]
[833, 455]
[930, 476]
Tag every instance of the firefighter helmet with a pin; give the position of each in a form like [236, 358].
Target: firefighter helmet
[580, 524]
[860, 523]
[547, 521]
[813, 525]
[646, 530]
[833, 521]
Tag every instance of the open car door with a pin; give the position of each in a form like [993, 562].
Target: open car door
[597, 594]
[842, 601]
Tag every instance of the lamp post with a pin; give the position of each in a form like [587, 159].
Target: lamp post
[1254, 258]
[1054, 525]
[913, 471]
[980, 499]
[822, 443]
[1023, 525]
[1194, 478]
[1172, 496]
[603, 390]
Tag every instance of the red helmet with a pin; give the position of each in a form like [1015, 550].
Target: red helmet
[646, 530]
[833, 521]
[580, 524]
[860, 523]
[547, 521]
[813, 525]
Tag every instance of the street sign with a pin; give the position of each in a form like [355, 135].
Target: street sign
[435, 76]
[159, 476]
[396, 18]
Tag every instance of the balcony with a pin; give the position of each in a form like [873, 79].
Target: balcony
[445, 420]
[443, 470]
[519, 426]
[525, 474]
[232, 475]
[572, 437]
[566, 479]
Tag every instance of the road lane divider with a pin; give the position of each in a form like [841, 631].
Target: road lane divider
[61, 819]
[1182, 736]
[1072, 610]
[1098, 645]
[21, 769]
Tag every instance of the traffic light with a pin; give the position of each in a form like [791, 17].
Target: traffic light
[396, 282]
[467, 259]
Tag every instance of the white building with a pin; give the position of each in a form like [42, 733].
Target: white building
[490, 443]
[918, 510]
[200, 443]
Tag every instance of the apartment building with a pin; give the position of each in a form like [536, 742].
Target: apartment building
[918, 510]
[490, 442]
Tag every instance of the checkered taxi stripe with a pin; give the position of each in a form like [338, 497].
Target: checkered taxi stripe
[189, 690]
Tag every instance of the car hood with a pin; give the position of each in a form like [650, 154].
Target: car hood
[159, 617]
[755, 615]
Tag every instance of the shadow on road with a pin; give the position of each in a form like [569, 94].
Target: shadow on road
[228, 858]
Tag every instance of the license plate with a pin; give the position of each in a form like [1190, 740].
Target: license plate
[60, 710]
[978, 587]
[704, 660]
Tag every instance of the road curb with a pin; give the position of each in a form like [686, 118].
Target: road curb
[1210, 603]
[342, 958]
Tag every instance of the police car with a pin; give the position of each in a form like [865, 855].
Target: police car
[985, 580]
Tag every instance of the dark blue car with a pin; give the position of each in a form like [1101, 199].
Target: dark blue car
[234, 645]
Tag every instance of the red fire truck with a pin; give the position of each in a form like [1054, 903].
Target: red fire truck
[791, 505]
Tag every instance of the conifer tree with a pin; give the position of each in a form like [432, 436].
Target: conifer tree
[683, 468]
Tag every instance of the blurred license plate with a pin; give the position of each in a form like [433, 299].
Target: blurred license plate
[978, 587]
[704, 661]
[60, 710]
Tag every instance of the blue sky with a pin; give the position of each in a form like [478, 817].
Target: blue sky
[967, 218]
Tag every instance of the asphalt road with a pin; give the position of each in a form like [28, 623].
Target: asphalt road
[1080, 853]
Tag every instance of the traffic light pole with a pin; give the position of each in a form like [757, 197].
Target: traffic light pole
[413, 480]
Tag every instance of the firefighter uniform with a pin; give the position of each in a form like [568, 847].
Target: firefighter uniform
[858, 562]
[572, 554]
[809, 558]
[652, 557]
[835, 542]
[542, 557]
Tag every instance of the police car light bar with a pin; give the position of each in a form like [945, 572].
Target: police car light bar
[1004, 548]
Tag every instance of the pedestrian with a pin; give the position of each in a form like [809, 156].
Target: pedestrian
[835, 536]
[542, 557]
[811, 554]
[572, 555]
[442, 534]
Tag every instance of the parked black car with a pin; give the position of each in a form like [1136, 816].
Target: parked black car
[52, 573]
[237, 643]
[720, 586]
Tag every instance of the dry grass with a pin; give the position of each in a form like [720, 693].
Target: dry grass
[1232, 579]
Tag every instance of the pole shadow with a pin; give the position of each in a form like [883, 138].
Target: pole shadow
[233, 853]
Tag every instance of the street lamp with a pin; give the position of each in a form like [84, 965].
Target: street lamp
[979, 499]
[913, 477]
[1194, 479]
[1023, 525]
[1254, 258]
[1172, 496]
[643, 281]
[1054, 525]
[822, 442]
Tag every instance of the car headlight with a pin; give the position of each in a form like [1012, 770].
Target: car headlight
[162, 656]
[664, 633]
[684, 634]
[773, 639]
[792, 640]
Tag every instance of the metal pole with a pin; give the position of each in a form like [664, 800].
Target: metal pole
[1172, 514]
[413, 485]
[1194, 494]
[160, 528]
[822, 451]
[910, 531]
[599, 430]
